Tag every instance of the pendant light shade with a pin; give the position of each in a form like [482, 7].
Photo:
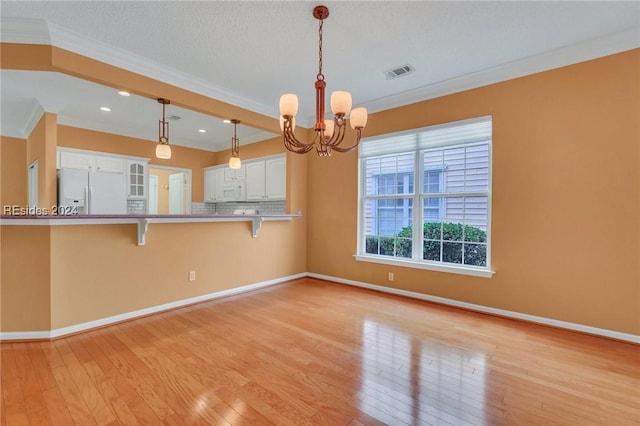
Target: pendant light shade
[235, 163]
[163, 151]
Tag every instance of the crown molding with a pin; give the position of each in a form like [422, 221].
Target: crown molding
[573, 54]
[38, 31]
[35, 114]
[23, 130]
[103, 52]
[24, 31]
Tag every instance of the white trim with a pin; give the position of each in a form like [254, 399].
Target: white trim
[38, 31]
[454, 269]
[33, 118]
[30, 335]
[487, 309]
[124, 59]
[40, 335]
[102, 154]
[24, 30]
[24, 335]
[576, 53]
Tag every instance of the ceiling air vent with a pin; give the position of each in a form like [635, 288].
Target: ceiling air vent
[174, 117]
[399, 71]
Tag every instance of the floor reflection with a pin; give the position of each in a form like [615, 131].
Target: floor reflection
[413, 381]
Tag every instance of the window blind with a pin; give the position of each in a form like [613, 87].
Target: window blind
[459, 132]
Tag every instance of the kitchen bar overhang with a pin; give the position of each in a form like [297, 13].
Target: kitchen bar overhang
[143, 221]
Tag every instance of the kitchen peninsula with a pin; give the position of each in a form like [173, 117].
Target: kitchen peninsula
[143, 221]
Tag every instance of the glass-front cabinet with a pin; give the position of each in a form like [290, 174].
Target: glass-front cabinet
[137, 179]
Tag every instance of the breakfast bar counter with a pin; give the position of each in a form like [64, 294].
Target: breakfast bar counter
[143, 221]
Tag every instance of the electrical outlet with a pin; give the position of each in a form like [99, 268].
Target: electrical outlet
[192, 275]
[390, 276]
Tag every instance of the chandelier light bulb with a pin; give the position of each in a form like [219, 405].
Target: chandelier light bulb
[340, 102]
[289, 104]
[358, 118]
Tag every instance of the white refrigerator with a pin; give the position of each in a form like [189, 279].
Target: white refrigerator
[92, 192]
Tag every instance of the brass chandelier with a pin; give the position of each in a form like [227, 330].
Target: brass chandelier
[329, 133]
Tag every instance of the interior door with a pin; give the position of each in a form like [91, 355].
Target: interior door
[153, 194]
[176, 193]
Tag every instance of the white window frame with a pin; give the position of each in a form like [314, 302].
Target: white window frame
[418, 208]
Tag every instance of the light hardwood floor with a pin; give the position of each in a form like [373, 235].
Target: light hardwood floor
[310, 352]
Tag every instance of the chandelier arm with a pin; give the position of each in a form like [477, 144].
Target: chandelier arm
[352, 147]
[291, 143]
[338, 132]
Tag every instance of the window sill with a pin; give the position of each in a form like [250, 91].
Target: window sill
[463, 270]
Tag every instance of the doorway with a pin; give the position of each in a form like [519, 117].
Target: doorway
[153, 194]
[172, 191]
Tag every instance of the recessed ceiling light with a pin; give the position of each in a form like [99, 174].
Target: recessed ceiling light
[103, 108]
[226, 121]
[202, 131]
[123, 93]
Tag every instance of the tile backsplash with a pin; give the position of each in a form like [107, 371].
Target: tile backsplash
[266, 207]
[136, 207]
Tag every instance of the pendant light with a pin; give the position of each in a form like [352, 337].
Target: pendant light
[163, 150]
[234, 161]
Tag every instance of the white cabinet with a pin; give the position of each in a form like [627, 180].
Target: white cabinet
[136, 179]
[233, 175]
[133, 169]
[214, 182]
[75, 160]
[276, 178]
[109, 164]
[266, 179]
[96, 163]
[255, 180]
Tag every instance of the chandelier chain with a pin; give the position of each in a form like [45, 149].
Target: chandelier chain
[320, 76]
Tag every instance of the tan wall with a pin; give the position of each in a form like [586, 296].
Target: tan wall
[99, 271]
[25, 278]
[566, 197]
[41, 146]
[95, 271]
[13, 171]
[187, 158]
[51, 58]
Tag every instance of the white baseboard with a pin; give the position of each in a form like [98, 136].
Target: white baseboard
[43, 335]
[60, 332]
[488, 310]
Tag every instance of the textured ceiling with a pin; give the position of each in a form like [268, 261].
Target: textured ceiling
[249, 53]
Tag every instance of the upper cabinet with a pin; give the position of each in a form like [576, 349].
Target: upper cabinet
[233, 175]
[136, 179]
[214, 184]
[267, 179]
[276, 178]
[135, 168]
[93, 162]
[260, 179]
